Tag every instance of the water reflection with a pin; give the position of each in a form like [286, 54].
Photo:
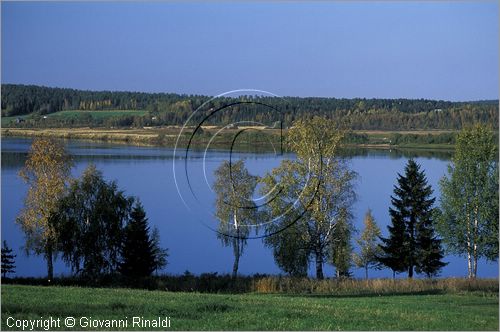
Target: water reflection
[398, 153]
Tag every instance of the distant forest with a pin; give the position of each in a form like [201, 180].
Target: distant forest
[34, 103]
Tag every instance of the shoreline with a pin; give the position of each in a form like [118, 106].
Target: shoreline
[168, 136]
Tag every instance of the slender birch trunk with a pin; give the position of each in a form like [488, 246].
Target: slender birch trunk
[50, 265]
[469, 250]
[476, 230]
[236, 245]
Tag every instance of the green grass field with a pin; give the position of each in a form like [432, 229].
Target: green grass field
[75, 114]
[195, 311]
[95, 114]
[8, 119]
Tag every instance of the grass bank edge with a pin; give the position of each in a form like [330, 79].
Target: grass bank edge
[264, 284]
[167, 137]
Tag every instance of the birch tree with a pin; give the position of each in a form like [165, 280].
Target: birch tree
[341, 247]
[46, 172]
[89, 223]
[316, 190]
[468, 221]
[235, 209]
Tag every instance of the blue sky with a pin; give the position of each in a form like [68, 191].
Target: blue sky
[437, 50]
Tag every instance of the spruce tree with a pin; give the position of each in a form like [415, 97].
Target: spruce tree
[7, 260]
[138, 259]
[394, 247]
[412, 243]
[430, 250]
[160, 254]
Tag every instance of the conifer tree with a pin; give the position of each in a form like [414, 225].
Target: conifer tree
[430, 250]
[138, 258]
[159, 253]
[394, 247]
[412, 243]
[7, 260]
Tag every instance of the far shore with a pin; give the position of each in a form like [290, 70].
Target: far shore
[168, 136]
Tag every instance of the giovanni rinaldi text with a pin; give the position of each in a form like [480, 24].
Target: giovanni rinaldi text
[50, 323]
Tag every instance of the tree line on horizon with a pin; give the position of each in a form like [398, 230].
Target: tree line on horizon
[98, 230]
[175, 109]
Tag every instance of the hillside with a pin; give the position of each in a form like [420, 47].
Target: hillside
[28, 106]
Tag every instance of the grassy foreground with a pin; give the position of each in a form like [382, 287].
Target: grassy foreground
[195, 311]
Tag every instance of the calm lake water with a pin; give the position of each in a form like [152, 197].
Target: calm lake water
[148, 173]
